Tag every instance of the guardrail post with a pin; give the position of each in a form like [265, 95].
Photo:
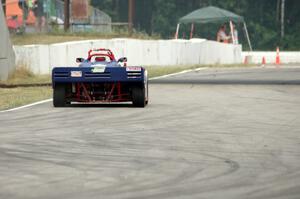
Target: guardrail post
[67, 15]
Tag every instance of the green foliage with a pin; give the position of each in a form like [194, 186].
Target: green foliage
[262, 16]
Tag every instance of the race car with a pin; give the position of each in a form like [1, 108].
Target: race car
[100, 78]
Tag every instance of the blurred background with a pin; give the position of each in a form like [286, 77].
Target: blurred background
[270, 22]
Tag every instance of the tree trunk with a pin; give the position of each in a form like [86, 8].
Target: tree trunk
[67, 15]
[278, 11]
[282, 17]
[131, 11]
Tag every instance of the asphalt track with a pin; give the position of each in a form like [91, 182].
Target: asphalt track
[214, 133]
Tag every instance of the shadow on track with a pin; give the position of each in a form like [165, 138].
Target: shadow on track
[99, 105]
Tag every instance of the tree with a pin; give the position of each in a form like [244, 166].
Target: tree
[266, 19]
[282, 17]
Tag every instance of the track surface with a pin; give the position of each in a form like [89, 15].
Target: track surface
[202, 139]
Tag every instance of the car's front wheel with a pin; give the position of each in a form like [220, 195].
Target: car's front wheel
[138, 96]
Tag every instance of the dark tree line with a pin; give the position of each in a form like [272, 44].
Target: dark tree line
[262, 16]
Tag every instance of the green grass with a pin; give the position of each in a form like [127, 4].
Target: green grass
[24, 76]
[14, 97]
[59, 37]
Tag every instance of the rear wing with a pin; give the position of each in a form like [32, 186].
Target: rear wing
[101, 52]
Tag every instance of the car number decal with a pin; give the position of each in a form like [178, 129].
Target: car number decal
[98, 69]
[76, 74]
[133, 68]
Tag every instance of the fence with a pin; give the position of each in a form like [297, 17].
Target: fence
[53, 11]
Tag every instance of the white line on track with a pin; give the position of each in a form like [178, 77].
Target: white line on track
[49, 100]
[26, 106]
[179, 73]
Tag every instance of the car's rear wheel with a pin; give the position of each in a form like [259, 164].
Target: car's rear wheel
[59, 96]
[138, 96]
[147, 94]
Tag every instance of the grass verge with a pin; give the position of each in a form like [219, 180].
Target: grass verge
[24, 76]
[14, 97]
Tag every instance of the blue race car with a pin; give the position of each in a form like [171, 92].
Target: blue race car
[100, 79]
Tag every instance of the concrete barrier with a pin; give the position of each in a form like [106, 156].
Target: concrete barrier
[7, 56]
[270, 57]
[42, 58]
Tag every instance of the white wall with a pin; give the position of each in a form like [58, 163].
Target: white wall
[270, 57]
[42, 58]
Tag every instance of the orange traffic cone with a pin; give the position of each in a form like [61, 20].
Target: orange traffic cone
[263, 61]
[277, 57]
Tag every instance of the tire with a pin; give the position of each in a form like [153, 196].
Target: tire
[138, 96]
[147, 94]
[59, 96]
[146, 87]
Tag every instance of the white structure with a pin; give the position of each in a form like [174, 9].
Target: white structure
[42, 58]
[270, 57]
[7, 56]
